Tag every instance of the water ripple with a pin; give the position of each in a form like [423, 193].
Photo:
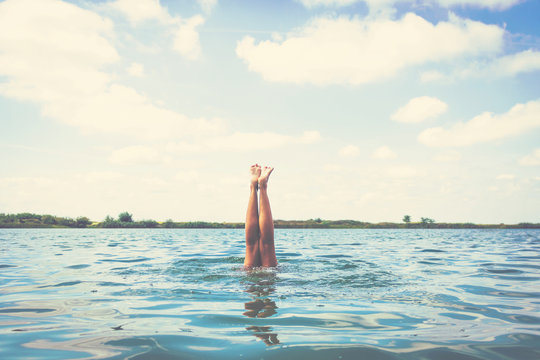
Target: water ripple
[381, 294]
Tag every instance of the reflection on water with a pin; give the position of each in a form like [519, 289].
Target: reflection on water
[261, 305]
[338, 294]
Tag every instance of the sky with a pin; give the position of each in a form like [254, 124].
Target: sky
[368, 110]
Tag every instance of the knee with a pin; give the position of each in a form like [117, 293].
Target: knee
[267, 241]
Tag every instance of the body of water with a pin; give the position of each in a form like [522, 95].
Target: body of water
[337, 294]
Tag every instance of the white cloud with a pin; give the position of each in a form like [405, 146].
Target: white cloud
[333, 168]
[240, 141]
[60, 195]
[121, 110]
[448, 156]
[532, 159]
[186, 38]
[420, 109]
[136, 70]
[142, 10]
[135, 155]
[207, 5]
[235, 142]
[505, 177]
[349, 151]
[485, 127]
[401, 172]
[504, 66]
[510, 65]
[384, 152]
[185, 34]
[71, 43]
[188, 176]
[354, 51]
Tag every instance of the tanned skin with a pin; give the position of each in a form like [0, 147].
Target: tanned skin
[260, 249]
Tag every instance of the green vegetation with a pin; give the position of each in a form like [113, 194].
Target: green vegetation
[125, 220]
[28, 220]
[125, 217]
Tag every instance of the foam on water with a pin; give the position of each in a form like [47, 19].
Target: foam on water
[378, 294]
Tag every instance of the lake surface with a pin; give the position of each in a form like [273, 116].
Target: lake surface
[337, 294]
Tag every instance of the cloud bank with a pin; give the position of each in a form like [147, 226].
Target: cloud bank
[485, 127]
[354, 51]
[73, 45]
[505, 66]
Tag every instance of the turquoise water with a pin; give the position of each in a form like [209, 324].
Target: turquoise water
[337, 294]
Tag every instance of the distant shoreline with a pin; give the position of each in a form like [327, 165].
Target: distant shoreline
[29, 220]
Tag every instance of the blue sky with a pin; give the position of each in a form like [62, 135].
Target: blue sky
[368, 110]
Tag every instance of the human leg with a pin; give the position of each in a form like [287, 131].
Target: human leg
[253, 257]
[266, 223]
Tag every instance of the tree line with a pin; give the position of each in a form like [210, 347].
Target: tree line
[125, 220]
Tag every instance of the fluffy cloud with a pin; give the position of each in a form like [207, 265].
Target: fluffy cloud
[236, 142]
[420, 109]
[531, 159]
[185, 35]
[207, 5]
[511, 65]
[186, 39]
[135, 155]
[505, 177]
[71, 43]
[142, 10]
[258, 141]
[504, 66]
[448, 156]
[402, 172]
[354, 51]
[349, 151]
[240, 141]
[485, 127]
[136, 70]
[383, 152]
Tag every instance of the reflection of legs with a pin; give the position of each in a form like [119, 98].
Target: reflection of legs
[263, 333]
[266, 223]
[253, 257]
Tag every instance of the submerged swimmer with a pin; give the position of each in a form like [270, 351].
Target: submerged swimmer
[260, 249]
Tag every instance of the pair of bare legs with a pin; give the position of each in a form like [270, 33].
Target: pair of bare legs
[260, 250]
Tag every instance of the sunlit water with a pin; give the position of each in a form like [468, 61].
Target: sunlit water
[337, 294]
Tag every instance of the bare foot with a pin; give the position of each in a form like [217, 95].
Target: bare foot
[265, 173]
[255, 171]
